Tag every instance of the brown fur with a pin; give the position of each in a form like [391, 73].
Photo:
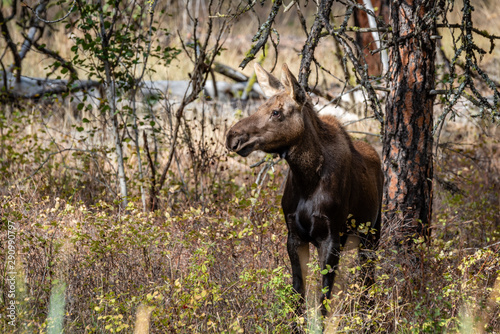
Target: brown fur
[331, 177]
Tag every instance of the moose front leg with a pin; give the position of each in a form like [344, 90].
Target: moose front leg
[298, 251]
[329, 252]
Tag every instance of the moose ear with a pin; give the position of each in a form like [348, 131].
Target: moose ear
[269, 84]
[292, 86]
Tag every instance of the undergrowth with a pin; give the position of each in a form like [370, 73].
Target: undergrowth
[213, 258]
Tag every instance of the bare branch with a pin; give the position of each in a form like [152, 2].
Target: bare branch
[312, 41]
[10, 44]
[37, 13]
[262, 35]
[229, 72]
[361, 70]
[202, 63]
[483, 33]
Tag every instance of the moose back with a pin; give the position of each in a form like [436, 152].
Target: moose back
[331, 178]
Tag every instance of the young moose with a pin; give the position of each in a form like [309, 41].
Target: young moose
[331, 177]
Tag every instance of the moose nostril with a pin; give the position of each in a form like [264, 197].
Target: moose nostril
[236, 142]
[232, 140]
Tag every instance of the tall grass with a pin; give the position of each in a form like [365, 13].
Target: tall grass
[213, 258]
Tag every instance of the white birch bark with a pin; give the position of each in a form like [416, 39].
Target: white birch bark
[384, 58]
[110, 95]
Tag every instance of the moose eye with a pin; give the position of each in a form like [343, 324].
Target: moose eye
[276, 113]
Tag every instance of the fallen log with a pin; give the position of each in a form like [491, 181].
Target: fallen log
[35, 88]
[229, 72]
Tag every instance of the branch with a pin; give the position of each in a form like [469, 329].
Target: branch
[384, 58]
[203, 62]
[64, 63]
[40, 8]
[361, 70]
[483, 33]
[312, 41]
[11, 45]
[14, 11]
[262, 35]
[290, 5]
[357, 29]
[229, 72]
[46, 21]
[365, 133]
[153, 199]
[47, 160]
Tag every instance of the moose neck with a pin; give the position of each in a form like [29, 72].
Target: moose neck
[306, 157]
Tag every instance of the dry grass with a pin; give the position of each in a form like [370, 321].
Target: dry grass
[213, 259]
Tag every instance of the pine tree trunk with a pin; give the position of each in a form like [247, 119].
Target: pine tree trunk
[408, 126]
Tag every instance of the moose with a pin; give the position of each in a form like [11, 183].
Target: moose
[334, 184]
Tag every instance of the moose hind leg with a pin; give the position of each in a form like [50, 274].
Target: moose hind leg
[329, 252]
[298, 252]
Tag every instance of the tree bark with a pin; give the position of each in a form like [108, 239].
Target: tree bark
[408, 125]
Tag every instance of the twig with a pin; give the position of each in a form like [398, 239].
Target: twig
[290, 5]
[485, 247]
[365, 133]
[47, 159]
[153, 200]
[483, 33]
[64, 63]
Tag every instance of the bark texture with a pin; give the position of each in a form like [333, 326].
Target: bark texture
[408, 126]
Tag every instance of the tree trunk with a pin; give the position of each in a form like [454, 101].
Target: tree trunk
[408, 126]
[110, 84]
[122, 179]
